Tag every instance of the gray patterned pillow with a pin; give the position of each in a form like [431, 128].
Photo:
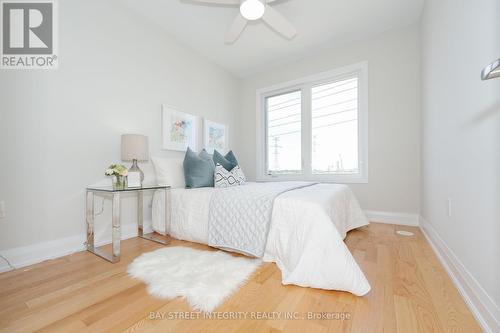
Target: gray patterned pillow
[224, 178]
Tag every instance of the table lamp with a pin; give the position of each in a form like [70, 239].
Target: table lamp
[135, 149]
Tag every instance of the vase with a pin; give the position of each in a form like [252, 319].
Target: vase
[118, 182]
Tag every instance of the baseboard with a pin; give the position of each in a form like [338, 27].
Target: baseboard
[392, 218]
[484, 309]
[33, 254]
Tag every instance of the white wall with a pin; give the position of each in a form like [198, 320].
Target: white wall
[394, 114]
[461, 133]
[60, 129]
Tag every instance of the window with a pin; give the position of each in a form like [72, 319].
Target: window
[334, 116]
[315, 128]
[284, 133]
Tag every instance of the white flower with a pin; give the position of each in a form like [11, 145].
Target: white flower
[109, 172]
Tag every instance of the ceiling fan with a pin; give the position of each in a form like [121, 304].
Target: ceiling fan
[252, 10]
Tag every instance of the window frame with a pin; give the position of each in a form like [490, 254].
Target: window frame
[305, 85]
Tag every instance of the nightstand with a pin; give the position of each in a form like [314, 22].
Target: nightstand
[116, 222]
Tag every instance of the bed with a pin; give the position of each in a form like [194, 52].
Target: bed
[305, 237]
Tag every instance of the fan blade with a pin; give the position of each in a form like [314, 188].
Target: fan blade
[236, 29]
[219, 2]
[276, 21]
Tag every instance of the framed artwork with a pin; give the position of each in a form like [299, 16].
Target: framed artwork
[134, 179]
[215, 136]
[179, 130]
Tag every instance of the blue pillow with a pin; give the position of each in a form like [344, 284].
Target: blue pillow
[229, 161]
[198, 169]
[205, 155]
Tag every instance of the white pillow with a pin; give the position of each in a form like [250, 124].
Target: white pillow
[224, 178]
[169, 171]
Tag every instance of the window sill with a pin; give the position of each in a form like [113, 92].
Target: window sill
[337, 179]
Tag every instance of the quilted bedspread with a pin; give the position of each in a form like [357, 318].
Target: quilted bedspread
[240, 216]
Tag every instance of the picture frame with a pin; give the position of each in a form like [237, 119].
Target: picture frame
[179, 129]
[216, 136]
[134, 179]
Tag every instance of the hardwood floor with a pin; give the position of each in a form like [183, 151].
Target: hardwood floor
[411, 292]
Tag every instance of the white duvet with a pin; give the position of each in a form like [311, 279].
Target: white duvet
[305, 239]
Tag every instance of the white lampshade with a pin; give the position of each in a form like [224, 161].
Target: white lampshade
[135, 147]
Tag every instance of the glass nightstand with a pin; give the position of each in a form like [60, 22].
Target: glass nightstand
[116, 222]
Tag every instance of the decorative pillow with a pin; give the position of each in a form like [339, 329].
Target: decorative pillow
[169, 171]
[224, 178]
[205, 155]
[229, 161]
[198, 169]
[239, 174]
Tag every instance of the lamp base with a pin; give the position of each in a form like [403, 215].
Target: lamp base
[135, 168]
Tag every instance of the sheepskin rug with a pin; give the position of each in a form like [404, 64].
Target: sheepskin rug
[204, 278]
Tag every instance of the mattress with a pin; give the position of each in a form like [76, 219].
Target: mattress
[190, 210]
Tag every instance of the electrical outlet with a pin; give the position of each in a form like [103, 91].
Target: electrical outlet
[2, 210]
[449, 207]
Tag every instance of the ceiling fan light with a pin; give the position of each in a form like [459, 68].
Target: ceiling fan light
[252, 9]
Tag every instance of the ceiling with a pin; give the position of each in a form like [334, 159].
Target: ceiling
[320, 24]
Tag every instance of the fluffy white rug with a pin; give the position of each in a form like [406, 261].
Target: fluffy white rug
[204, 278]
